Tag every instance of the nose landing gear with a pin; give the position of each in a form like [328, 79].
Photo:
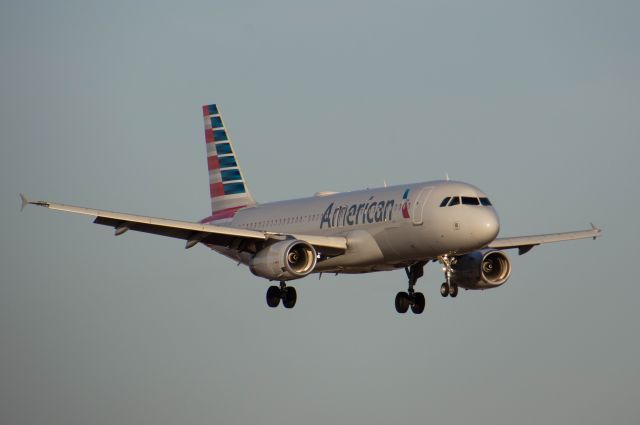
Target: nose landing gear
[448, 288]
[412, 299]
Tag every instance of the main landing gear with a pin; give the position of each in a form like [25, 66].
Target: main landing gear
[416, 300]
[448, 288]
[412, 299]
[285, 293]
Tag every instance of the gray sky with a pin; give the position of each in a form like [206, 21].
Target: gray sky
[535, 102]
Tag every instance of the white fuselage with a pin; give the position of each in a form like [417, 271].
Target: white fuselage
[385, 228]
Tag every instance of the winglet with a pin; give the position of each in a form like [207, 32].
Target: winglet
[23, 201]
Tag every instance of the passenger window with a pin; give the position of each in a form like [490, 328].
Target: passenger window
[454, 201]
[468, 200]
[485, 201]
[445, 201]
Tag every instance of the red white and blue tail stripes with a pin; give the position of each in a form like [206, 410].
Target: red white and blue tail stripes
[227, 187]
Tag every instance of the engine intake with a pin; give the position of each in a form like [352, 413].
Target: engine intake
[481, 270]
[285, 260]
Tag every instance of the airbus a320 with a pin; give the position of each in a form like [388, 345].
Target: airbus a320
[372, 230]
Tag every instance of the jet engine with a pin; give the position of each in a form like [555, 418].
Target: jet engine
[285, 260]
[481, 270]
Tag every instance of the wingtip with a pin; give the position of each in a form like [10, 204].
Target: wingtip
[24, 201]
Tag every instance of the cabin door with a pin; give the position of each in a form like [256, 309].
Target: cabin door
[418, 205]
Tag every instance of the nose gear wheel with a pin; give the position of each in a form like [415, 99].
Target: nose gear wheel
[448, 288]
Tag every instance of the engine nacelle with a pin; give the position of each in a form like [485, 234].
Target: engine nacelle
[481, 270]
[285, 260]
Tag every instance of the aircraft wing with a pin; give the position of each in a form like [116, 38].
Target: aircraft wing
[525, 243]
[192, 232]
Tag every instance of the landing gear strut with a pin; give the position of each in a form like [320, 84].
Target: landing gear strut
[285, 293]
[412, 299]
[448, 288]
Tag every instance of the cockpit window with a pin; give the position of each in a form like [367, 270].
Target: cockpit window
[468, 200]
[445, 201]
[485, 201]
[454, 201]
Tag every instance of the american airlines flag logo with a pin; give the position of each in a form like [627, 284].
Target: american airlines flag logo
[405, 204]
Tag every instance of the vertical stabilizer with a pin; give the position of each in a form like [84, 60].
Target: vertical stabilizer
[228, 189]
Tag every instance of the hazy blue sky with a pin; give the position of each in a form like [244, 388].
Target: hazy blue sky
[535, 102]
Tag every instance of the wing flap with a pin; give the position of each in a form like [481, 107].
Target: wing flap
[121, 226]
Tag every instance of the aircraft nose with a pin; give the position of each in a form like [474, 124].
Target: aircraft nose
[488, 225]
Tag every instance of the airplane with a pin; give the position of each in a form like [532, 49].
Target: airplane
[363, 231]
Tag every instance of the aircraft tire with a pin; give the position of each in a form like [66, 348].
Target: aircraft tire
[402, 302]
[444, 290]
[418, 303]
[273, 296]
[453, 291]
[289, 297]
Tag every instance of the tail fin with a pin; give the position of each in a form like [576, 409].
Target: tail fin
[227, 187]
